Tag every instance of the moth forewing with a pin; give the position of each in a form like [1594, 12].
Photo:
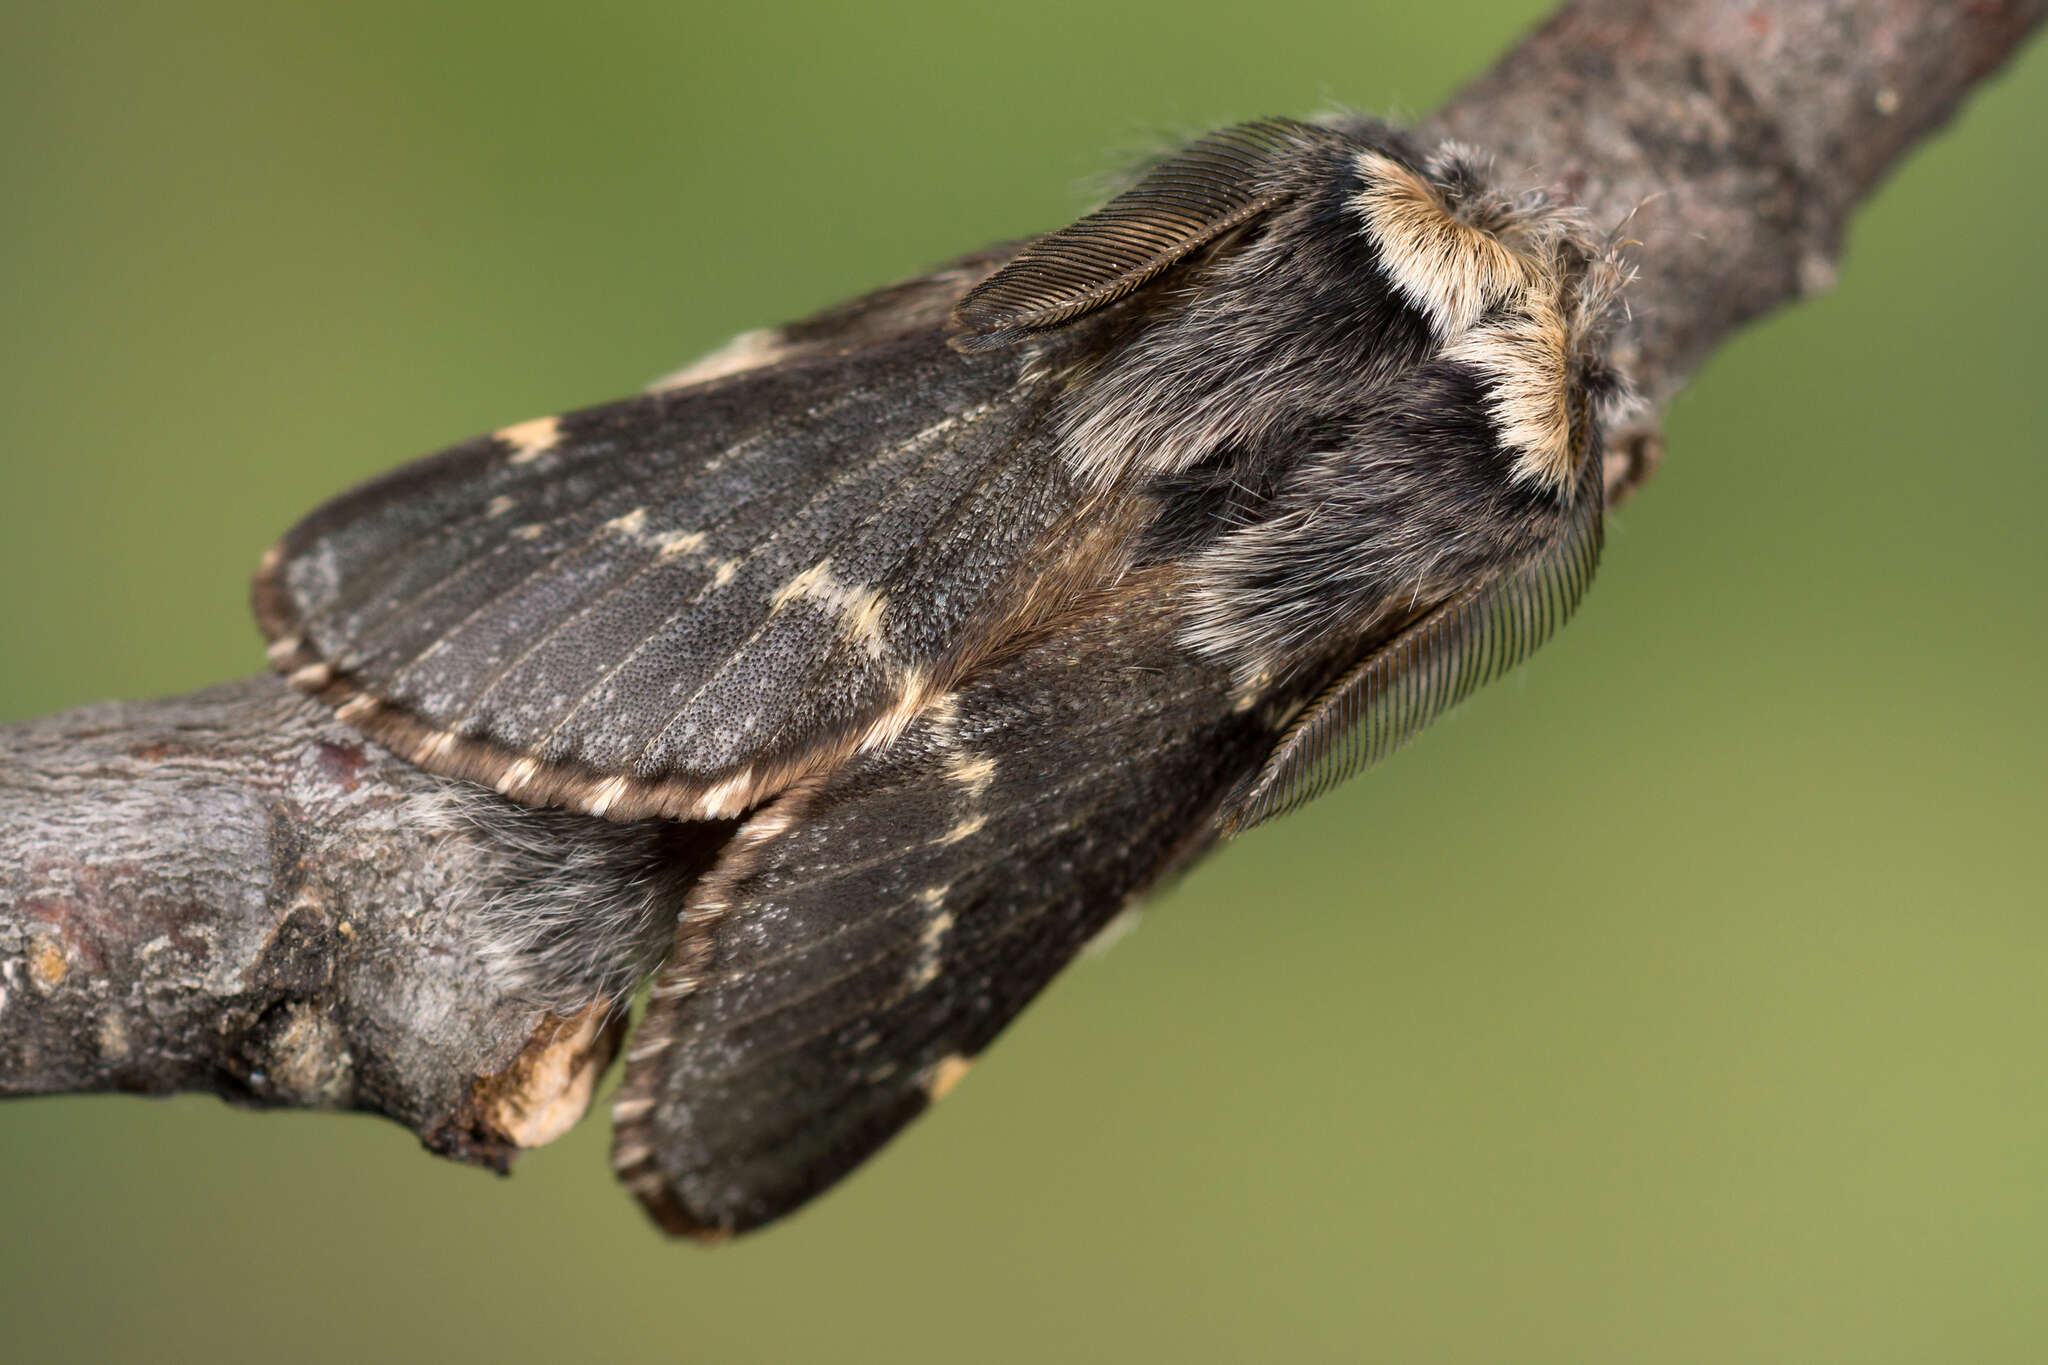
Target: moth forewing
[685, 601]
[855, 953]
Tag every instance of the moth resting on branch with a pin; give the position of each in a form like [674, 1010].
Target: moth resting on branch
[962, 613]
[859, 673]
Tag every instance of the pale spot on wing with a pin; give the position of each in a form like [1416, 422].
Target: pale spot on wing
[972, 773]
[968, 827]
[747, 351]
[940, 1078]
[1116, 931]
[931, 943]
[630, 525]
[531, 440]
[676, 544]
[500, 505]
[517, 776]
[606, 795]
[726, 798]
[945, 712]
[910, 700]
[282, 649]
[772, 823]
[804, 584]
[864, 620]
[859, 607]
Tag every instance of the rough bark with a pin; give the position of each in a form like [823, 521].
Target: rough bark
[232, 892]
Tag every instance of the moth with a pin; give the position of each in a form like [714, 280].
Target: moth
[954, 618]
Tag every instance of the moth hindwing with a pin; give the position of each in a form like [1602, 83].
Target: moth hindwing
[958, 615]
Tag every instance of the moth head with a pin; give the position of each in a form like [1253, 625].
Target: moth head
[1506, 284]
[1512, 286]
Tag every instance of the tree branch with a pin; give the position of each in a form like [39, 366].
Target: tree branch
[233, 892]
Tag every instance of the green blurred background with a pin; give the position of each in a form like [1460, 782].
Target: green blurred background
[1680, 1000]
